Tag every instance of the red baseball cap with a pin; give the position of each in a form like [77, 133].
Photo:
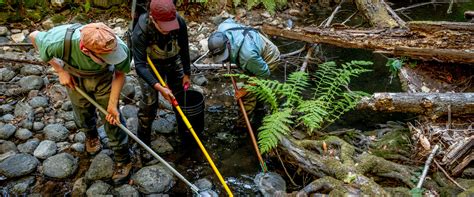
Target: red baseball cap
[164, 14]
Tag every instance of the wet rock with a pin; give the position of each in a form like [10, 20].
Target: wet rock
[132, 125]
[6, 146]
[161, 145]
[24, 110]
[29, 146]
[55, 132]
[60, 166]
[79, 188]
[102, 135]
[78, 147]
[163, 125]
[3, 31]
[45, 149]
[18, 165]
[38, 126]
[80, 137]
[63, 146]
[205, 188]
[67, 116]
[27, 124]
[126, 190]
[129, 111]
[98, 188]
[70, 125]
[6, 108]
[23, 134]
[100, 168]
[153, 179]
[39, 101]
[66, 106]
[29, 69]
[6, 74]
[200, 80]
[18, 37]
[31, 82]
[6, 131]
[22, 186]
[7, 118]
[270, 183]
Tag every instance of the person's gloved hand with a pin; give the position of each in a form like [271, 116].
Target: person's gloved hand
[186, 82]
[240, 93]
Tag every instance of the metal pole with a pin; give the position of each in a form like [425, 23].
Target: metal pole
[120, 125]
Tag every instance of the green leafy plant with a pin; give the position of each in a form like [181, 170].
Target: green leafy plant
[87, 6]
[331, 98]
[395, 64]
[270, 5]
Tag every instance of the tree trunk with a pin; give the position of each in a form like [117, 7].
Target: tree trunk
[433, 104]
[377, 13]
[427, 41]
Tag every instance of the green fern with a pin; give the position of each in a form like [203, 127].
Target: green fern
[274, 127]
[332, 98]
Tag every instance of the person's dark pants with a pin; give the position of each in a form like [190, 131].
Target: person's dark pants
[148, 106]
[85, 115]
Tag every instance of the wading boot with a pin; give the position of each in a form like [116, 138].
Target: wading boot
[93, 145]
[121, 173]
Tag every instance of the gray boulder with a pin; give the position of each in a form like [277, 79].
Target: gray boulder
[18, 165]
[55, 132]
[6, 74]
[38, 126]
[60, 166]
[39, 101]
[7, 118]
[129, 111]
[31, 82]
[6, 131]
[23, 109]
[78, 147]
[161, 145]
[22, 186]
[6, 146]
[126, 190]
[153, 179]
[29, 69]
[100, 168]
[79, 188]
[98, 188]
[6, 108]
[29, 146]
[45, 149]
[23, 134]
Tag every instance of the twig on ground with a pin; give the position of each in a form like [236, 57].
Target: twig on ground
[415, 6]
[284, 168]
[308, 55]
[293, 53]
[329, 20]
[347, 20]
[427, 166]
[447, 175]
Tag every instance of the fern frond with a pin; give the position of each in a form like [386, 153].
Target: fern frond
[295, 85]
[273, 128]
[269, 5]
[314, 113]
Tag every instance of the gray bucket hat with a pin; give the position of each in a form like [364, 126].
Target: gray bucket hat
[217, 44]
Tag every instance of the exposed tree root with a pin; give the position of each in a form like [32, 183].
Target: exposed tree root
[340, 171]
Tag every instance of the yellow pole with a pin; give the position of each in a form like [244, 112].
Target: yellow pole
[186, 121]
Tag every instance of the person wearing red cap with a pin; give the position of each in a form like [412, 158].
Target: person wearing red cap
[91, 57]
[162, 35]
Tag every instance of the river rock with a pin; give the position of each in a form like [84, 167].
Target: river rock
[18, 165]
[98, 188]
[60, 166]
[39, 101]
[22, 186]
[24, 110]
[23, 134]
[80, 137]
[200, 80]
[132, 125]
[45, 149]
[67, 116]
[6, 146]
[6, 131]
[78, 147]
[48, 23]
[55, 132]
[38, 126]
[165, 124]
[62, 146]
[57, 93]
[126, 190]
[153, 179]
[3, 31]
[161, 145]
[6, 108]
[129, 111]
[7, 118]
[270, 183]
[18, 37]
[79, 188]
[29, 146]
[6, 74]
[31, 82]
[29, 69]
[70, 125]
[100, 168]
[66, 106]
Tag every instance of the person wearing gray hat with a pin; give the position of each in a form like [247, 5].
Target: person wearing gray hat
[254, 53]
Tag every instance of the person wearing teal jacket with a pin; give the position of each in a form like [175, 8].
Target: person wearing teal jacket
[254, 53]
[97, 62]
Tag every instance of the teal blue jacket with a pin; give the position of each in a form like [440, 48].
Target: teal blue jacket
[250, 57]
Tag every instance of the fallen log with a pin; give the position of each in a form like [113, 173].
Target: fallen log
[427, 40]
[212, 66]
[431, 104]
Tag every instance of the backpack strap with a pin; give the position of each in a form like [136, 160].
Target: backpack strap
[67, 41]
[244, 33]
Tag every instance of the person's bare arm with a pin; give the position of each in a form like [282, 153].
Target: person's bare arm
[112, 108]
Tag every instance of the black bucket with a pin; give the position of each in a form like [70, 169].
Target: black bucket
[192, 104]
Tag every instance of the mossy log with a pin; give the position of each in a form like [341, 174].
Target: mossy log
[344, 172]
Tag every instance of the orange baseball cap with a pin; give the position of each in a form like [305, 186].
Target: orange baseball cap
[101, 40]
